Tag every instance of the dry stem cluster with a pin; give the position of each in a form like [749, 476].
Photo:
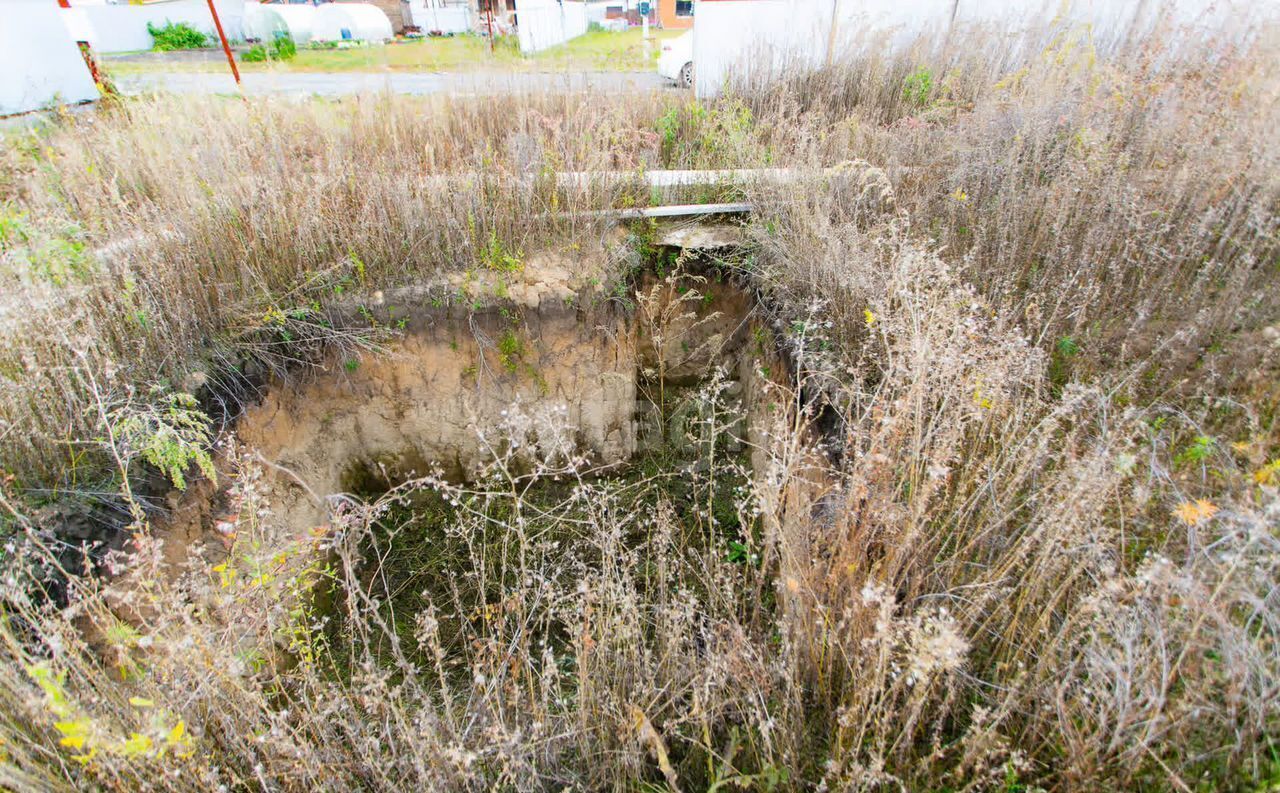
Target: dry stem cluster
[1017, 525]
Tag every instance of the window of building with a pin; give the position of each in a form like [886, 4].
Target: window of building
[684, 8]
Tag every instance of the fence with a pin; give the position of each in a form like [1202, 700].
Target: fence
[546, 23]
[432, 19]
[735, 37]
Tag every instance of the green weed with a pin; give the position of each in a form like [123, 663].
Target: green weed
[176, 36]
[917, 87]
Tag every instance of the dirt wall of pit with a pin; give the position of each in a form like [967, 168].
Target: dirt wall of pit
[550, 341]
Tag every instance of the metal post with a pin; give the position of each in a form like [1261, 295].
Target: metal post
[225, 46]
[489, 7]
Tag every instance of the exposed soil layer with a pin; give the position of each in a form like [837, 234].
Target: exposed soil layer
[549, 340]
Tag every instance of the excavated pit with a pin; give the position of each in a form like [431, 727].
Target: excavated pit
[608, 382]
[438, 402]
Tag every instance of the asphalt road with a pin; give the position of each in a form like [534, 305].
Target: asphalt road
[419, 83]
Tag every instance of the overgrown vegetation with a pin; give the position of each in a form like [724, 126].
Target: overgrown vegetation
[280, 48]
[176, 36]
[460, 554]
[1014, 525]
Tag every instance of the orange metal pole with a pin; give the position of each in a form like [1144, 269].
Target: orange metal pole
[225, 46]
[489, 16]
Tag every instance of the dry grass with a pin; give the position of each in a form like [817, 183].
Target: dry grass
[1046, 546]
[594, 51]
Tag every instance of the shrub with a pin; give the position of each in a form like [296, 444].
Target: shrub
[255, 54]
[279, 49]
[169, 432]
[917, 88]
[176, 36]
[283, 48]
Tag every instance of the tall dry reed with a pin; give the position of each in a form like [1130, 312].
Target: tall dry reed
[1033, 412]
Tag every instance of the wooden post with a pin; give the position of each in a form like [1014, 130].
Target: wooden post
[225, 46]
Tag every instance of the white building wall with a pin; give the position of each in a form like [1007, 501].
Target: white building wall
[123, 28]
[734, 37]
[596, 10]
[431, 16]
[39, 61]
[546, 23]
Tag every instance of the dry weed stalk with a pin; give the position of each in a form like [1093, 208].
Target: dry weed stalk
[1018, 514]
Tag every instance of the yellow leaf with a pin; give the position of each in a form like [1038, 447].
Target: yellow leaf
[73, 741]
[74, 733]
[226, 576]
[1268, 474]
[136, 745]
[1187, 513]
[869, 316]
[980, 400]
[656, 745]
[51, 685]
[1195, 512]
[1207, 508]
[141, 702]
[83, 759]
[175, 735]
